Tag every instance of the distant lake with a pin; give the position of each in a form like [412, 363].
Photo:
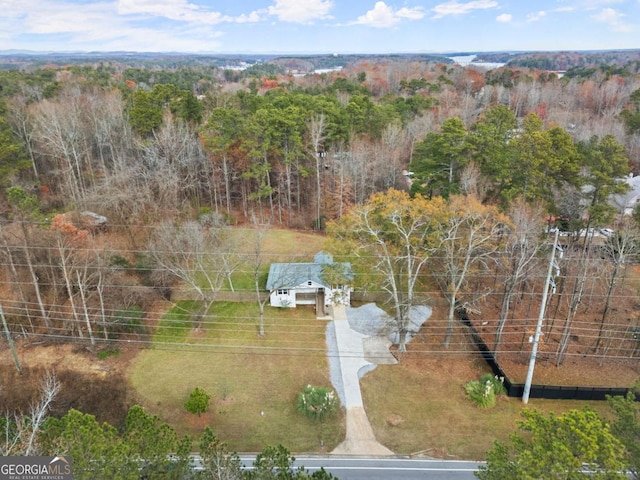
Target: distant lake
[328, 70]
[466, 60]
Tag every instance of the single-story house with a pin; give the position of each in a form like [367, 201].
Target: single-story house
[321, 283]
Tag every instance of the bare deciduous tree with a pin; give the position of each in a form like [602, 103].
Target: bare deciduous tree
[619, 248]
[317, 131]
[468, 242]
[193, 253]
[20, 435]
[259, 233]
[522, 244]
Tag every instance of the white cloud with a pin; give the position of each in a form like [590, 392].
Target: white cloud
[384, 16]
[46, 18]
[411, 13]
[613, 18]
[586, 4]
[600, 3]
[301, 11]
[179, 10]
[454, 7]
[534, 17]
[64, 25]
[250, 18]
[504, 18]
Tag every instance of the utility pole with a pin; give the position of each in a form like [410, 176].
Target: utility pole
[536, 337]
[10, 340]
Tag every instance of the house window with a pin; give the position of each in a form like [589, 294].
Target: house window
[309, 283]
[283, 292]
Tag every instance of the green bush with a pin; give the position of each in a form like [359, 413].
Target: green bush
[483, 392]
[143, 266]
[317, 403]
[198, 402]
[496, 383]
[119, 261]
[108, 352]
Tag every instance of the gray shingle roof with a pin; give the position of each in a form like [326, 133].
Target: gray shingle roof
[289, 275]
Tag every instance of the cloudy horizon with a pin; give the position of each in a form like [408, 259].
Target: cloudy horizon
[318, 26]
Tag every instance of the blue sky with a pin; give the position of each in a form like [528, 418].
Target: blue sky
[318, 26]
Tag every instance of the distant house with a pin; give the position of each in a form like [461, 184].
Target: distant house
[627, 202]
[321, 283]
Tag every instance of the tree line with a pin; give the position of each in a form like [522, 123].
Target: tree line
[195, 155]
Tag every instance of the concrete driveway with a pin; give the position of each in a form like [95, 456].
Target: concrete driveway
[360, 439]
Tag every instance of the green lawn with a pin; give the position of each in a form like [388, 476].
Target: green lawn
[253, 381]
[279, 245]
[427, 393]
[175, 325]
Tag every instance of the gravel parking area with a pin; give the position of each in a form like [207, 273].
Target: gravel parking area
[369, 319]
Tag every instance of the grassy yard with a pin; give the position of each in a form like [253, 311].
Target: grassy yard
[279, 245]
[253, 381]
[176, 323]
[418, 405]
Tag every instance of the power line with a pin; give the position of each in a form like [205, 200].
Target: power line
[427, 332]
[459, 348]
[61, 312]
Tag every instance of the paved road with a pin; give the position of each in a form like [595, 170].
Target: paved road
[372, 468]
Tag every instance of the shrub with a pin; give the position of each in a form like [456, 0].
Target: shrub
[119, 261]
[483, 392]
[128, 320]
[198, 402]
[496, 383]
[317, 403]
[108, 352]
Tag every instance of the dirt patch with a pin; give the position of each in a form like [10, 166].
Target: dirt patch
[584, 372]
[394, 420]
[591, 348]
[88, 384]
[199, 422]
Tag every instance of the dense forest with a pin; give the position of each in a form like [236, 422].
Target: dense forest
[174, 152]
[567, 60]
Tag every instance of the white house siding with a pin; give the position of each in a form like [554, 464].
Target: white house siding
[305, 294]
[280, 299]
[627, 202]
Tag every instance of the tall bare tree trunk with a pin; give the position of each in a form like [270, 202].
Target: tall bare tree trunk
[10, 341]
[317, 127]
[81, 287]
[607, 304]
[16, 281]
[34, 277]
[64, 258]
